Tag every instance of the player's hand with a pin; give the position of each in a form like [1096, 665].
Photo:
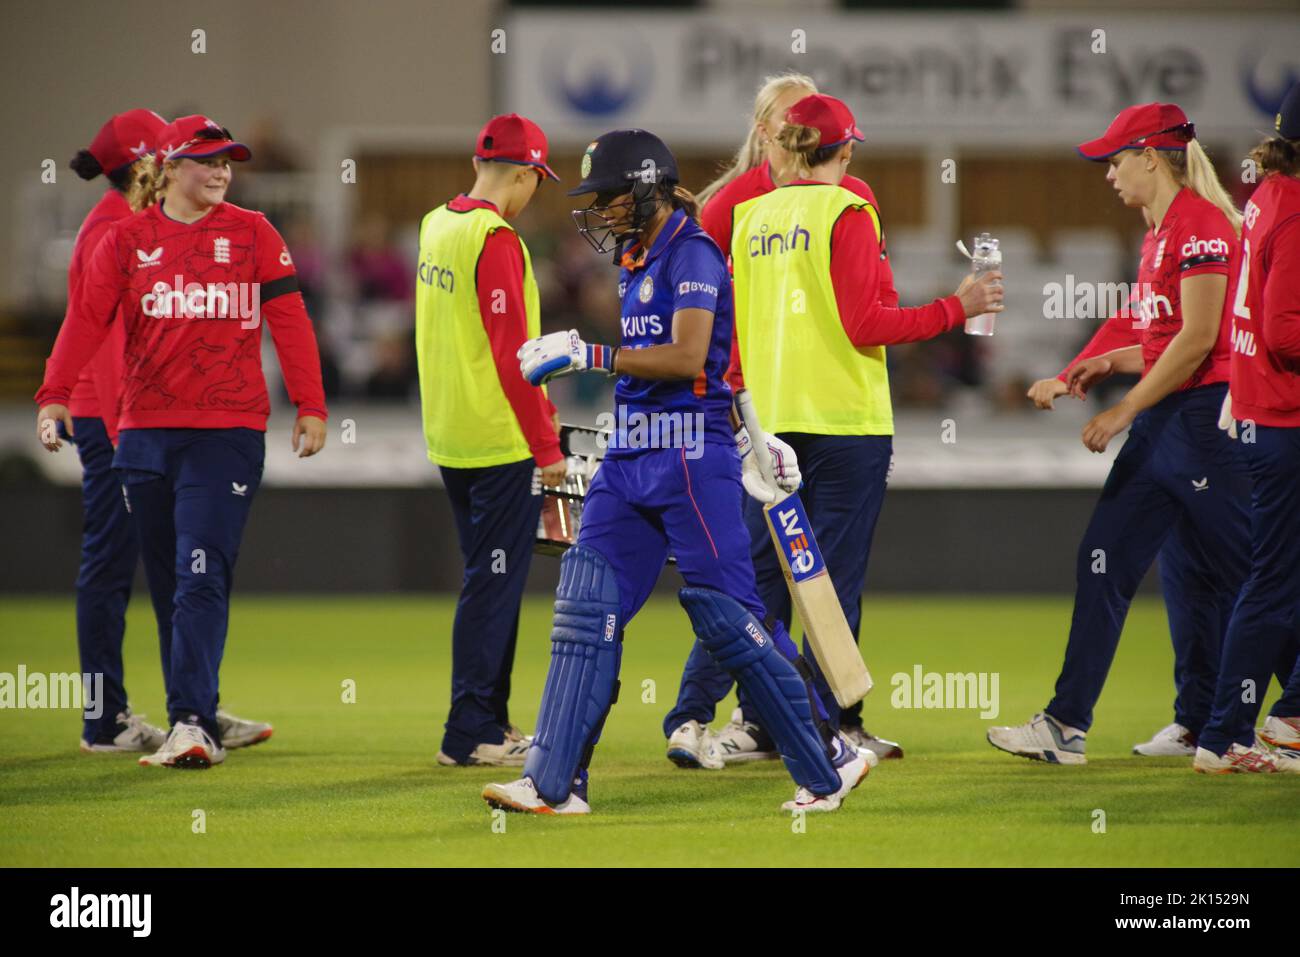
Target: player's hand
[311, 431]
[785, 467]
[1045, 391]
[48, 418]
[552, 355]
[1104, 426]
[1086, 374]
[981, 294]
[553, 475]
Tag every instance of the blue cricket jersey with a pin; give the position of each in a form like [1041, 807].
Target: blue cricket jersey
[682, 269]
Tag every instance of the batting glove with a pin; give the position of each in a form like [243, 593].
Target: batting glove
[561, 353]
[785, 467]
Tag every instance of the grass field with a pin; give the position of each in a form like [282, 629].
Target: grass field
[356, 784]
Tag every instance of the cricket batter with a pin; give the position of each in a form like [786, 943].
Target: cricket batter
[485, 428]
[652, 493]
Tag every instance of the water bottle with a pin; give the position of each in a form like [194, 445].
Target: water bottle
[986, 258]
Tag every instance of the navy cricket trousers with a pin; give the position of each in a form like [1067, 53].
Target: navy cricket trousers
[1262, 635]
[189, 492]
[496, 515]
[1175, 465]
[109, 551]
[844, 487]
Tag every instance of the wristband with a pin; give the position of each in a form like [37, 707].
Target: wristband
[601, 357]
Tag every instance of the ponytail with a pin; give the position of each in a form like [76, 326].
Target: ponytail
[149, 183]
[682, 198]
[803, 144]
[1193, 169]
[750, 153]
[1278, 155]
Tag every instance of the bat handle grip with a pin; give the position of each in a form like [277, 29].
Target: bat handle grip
[749, 418]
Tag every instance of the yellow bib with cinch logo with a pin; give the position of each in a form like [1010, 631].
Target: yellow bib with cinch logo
[799, 365]
[468, 421]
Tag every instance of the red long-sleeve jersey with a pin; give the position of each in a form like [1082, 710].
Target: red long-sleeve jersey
[99, 385]
[1123, 329]
[501, 267]
[193, 297]
[1265, 372]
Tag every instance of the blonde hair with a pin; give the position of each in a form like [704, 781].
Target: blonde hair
[751, 152]
[149, 183]
[1193, 169]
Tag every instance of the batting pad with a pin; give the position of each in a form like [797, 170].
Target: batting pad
[586, 641]
[741, 647]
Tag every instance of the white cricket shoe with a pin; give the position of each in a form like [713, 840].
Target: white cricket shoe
[852, 764]
[136, 735]
[238, 733]
[741, 740]
[694, 746]
[513, 733]
[188, 746]
[1171, 741]
[510, 753]
[1042, 738]
[1241, 760]
[1282, 733]
[522, 796]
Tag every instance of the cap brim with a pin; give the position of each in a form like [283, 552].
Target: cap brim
[547, 170]
[238, 151]
[1098, 149]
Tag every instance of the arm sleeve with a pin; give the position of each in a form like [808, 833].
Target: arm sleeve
[855, 274]
[285, 312]
[499, 283]
[1117, 332]
[107, 372]
[86, 324]
[1281, 293]
[715, 219]
[888, 293]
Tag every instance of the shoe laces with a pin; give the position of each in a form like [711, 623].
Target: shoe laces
[1254, 759]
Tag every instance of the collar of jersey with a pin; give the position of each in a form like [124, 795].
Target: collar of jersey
[635, 256]
[1175, 208]
[205, 218]
[464, 202]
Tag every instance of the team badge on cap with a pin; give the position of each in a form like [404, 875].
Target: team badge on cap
[586, 161]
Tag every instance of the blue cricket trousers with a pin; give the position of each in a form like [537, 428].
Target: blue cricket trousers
[109, 550]
[1175, 465]
[496, 516]
[844, 488]
[189, 492]
[1262, 635]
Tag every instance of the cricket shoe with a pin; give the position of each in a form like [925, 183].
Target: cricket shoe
[1237, 759]
[132, 733]
[513, 733]
[1171, 741]
[1281, 733]
[694, 746]
[862, 739]
[1043, 738]
[188, 746]
[510, 753]
[741, 740]
[852, 764]
[522, 796]
[238, 733]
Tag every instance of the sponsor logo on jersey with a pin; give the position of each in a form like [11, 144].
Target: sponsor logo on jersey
[214, 300]
[237, 489]
[1204, 247]
[221, 250]
[1152, 306]
[431, 274]
[765, 243]
[1201, 485]
[686, 287]
[647, 290]
[642, 325]
[149, 259]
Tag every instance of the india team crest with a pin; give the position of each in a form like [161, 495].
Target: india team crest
[647, 290]
[586, 161]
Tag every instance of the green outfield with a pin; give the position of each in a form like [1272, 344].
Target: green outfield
[356, 784]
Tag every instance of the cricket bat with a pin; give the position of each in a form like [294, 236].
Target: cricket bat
[806, 576]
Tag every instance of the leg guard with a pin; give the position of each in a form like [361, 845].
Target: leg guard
[777, 691]
[586, 640]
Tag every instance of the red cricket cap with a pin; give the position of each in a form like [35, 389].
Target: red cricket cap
[1161, 126]
[514, 139]
[828, 116]
[125, 138]
[196, 137]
